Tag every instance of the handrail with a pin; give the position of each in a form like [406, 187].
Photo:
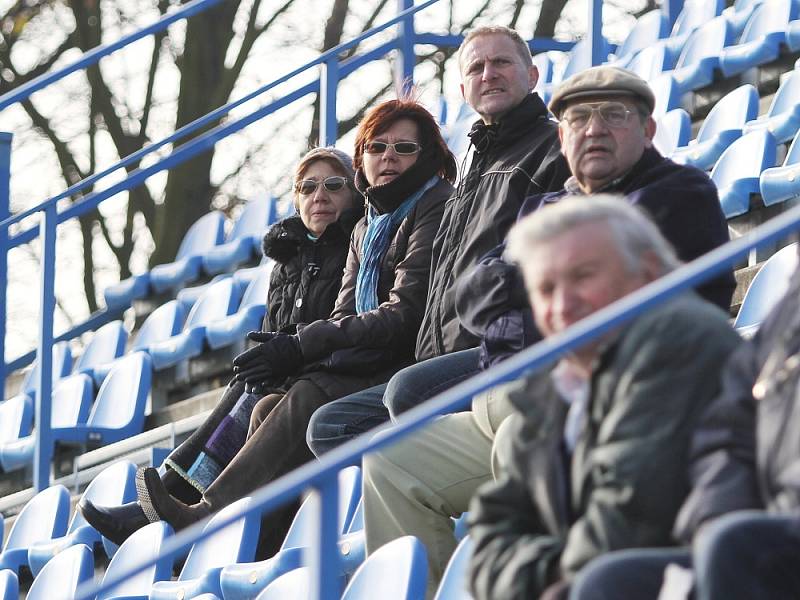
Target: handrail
[318, 474]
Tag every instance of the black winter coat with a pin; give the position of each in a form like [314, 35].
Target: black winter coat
[306, 279]
[517, 157]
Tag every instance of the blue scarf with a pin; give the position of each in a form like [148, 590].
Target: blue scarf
[376, 242]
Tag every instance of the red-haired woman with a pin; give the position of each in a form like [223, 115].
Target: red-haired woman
[404, 170]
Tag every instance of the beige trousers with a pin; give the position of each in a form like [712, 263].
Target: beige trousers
[415, 486]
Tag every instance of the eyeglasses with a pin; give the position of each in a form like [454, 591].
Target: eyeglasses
[613, 114]
[306, 187]
[400, 148]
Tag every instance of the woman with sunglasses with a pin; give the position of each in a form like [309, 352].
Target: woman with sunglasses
[404, 170]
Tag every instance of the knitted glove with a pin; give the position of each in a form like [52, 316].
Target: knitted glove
[276, 355]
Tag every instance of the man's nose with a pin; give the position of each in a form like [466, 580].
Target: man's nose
[489, 71]
[596, 124]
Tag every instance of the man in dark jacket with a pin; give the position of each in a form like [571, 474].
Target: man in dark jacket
[594, 459]
[515, 153]
[742, 512]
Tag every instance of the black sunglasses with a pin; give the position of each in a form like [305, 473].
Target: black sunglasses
[306, 187]
[400, 148]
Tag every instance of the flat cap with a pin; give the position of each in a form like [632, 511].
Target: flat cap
[602, 81]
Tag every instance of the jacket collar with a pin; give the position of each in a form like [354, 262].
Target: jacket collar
[518, 123]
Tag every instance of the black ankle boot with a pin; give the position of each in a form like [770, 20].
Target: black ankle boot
[116, 523]
[157, 503]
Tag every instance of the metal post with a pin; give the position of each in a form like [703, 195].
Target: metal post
[43, 453]
[596, 31]
[406, 60]
[324, 559]
[672, 9]
[328, 83]
[5, 212]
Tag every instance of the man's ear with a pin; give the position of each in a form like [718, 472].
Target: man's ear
[649, 131]
[533, 77]
[652, 266]
[561, 138]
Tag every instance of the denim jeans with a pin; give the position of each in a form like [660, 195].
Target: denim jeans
[350, 416]
[747, 555]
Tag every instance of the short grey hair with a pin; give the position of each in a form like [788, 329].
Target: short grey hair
[522, 46]
[635, 233]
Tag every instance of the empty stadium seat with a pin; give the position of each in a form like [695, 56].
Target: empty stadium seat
[244, 581]
[694, 14]
[720, 128]
[740, 13]
[778, 184]
[16, 418]
[62, 365]
[295, 584]
[9, 585]
[782, 119]
[112, 487]
[649, 28]
[248, 317]
[201, 572]
[768, 286]
[396, 571]
[650, 62]
[44, 517]
[699, 58]
[219, 301]
[107, 344]
[737, 171]
[762, 38]
[667, 95]
[673, 129]
[244, 240]
[454, 579]
[144, 544]
[61, 577]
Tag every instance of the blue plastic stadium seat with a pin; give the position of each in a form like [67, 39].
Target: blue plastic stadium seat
[123, 293]
[244, 240]
[200, 574]
[44, 517]
[112, 487]
[667, 94]
[144, 544]
[248, 317]
[579, 57]
[737, 171]
[208, 231]
[118, 410]
[295, 584]
[188, 296]
[762, 38]
[396, 571]
[782, 183]
[699, 58]
[649, 28]
[767, 288]
[61, 577]
[740, 13]
[244, 581]
[783, 116]
[650, 62]
[163, 323]
[9, 585]
[673, 129]
[454, 579]
[461, 526]
[693, 15]
[72, 401]
[107, 344]
[219, 301]
[720, 129]
[62, 365]
[16, 418]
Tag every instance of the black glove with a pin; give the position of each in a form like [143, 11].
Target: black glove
[276, 356]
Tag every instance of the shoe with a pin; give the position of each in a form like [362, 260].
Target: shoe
[158, 504]
[115, 523]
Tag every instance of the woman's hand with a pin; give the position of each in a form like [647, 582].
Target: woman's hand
[276, 355]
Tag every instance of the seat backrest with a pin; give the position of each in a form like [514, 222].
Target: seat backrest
[62, 365]
[769, 17]
[793, 155]
[9, 585]
[357, 522]
[650, 62]
[580, 57]
[72, 400]
[206, 232]
[746, 157]
[296, 584]
[106, 344]
[454, 579]
[63, 573]
[650, 27]
[257, 290]
[217, 302]
[254, 219]
[544, 64]
[233, 544]
[143, 544]
[673, 130]
[787, 96]
[42, 518]
[694, 14]
[706, 41]
[113, 486]
[121, 398]
[302, 533]
[768, 287]
[666, 92]
[164, 322]
[732, 111]
[396, 571]
[16, 417]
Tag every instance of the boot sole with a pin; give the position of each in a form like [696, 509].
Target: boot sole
[143, 492]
